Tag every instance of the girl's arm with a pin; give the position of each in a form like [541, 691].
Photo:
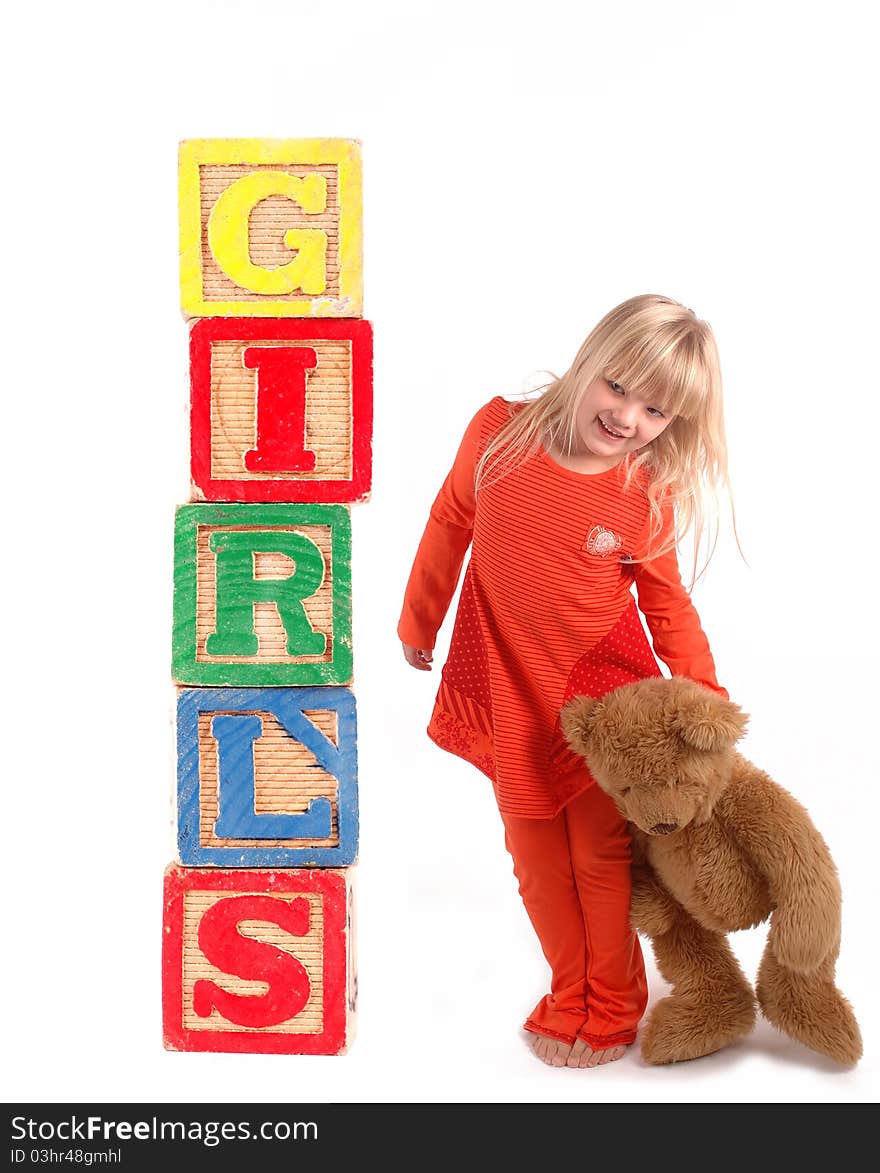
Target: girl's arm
[438, 560]
[672, 619]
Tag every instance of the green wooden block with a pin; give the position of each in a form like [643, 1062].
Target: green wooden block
[262, 595]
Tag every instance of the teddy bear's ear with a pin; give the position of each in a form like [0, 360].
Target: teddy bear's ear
[576, 719]
[708, 722]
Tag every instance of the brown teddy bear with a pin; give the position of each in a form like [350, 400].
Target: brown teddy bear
[717, 846]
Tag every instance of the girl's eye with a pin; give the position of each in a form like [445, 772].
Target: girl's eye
[615, 387]
[656, 413]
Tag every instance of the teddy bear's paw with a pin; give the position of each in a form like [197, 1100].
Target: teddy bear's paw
[814, 1013]
[680, 1027]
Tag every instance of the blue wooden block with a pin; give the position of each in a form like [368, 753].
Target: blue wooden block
[267, 777]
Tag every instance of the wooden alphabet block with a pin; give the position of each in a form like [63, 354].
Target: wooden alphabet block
[258, 961]
[271, 227]
[267, 777]
[262, 595]
[282, 410]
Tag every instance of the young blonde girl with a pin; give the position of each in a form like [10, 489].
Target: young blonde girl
[568, 501]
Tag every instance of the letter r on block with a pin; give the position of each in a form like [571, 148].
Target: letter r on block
[238, 590]
[262, 595]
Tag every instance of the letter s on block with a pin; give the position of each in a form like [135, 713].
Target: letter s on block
[229, 234]
[224, 946]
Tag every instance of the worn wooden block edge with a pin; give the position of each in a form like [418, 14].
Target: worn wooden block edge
[339, 970]
[192, 702]
[357, 488]
[185, 668]
[344, 152]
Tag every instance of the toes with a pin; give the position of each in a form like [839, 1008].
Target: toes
[553, 1052]
[539, 1046]
[586, 1054]
[556, 1053]
[578, 1054]
[561, 1053]
[598, 1058]
[611, 1054]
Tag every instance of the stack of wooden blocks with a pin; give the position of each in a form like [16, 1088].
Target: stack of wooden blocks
[258, 914]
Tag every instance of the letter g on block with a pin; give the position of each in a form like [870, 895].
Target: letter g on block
[229, 234]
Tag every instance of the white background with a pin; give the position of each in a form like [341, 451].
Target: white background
[526, 168]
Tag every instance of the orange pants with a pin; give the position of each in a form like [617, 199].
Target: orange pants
[574, 879]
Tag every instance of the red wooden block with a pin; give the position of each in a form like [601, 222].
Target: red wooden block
[282, 409]
[257, 961]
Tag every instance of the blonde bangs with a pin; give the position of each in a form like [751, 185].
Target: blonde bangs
[668, 370]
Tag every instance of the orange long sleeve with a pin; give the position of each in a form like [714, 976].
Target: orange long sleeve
[440, 555]
[672, 619]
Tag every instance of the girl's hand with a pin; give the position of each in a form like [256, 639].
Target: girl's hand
[418, 657]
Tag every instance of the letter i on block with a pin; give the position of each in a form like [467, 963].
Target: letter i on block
[257, 961]
[281, 410]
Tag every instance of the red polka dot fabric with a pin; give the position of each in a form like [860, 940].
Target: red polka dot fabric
[467, 665]
[624, 655]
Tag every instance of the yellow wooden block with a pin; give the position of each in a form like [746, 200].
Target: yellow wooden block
[271, 228]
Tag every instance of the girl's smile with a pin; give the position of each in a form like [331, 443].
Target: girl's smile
[611, 422]
[608, 430]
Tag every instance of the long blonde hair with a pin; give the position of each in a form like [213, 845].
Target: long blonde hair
[665, 354]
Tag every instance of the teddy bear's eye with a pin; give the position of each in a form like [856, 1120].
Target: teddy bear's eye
[625, 789]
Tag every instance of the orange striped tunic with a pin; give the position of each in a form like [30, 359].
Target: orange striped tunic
[546, 612]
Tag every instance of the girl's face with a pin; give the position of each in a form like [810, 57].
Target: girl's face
[613, 421]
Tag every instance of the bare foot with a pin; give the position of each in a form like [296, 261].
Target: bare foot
[583, 1055]
[553, 1052]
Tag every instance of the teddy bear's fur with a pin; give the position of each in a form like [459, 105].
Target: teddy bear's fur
[717, 846]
